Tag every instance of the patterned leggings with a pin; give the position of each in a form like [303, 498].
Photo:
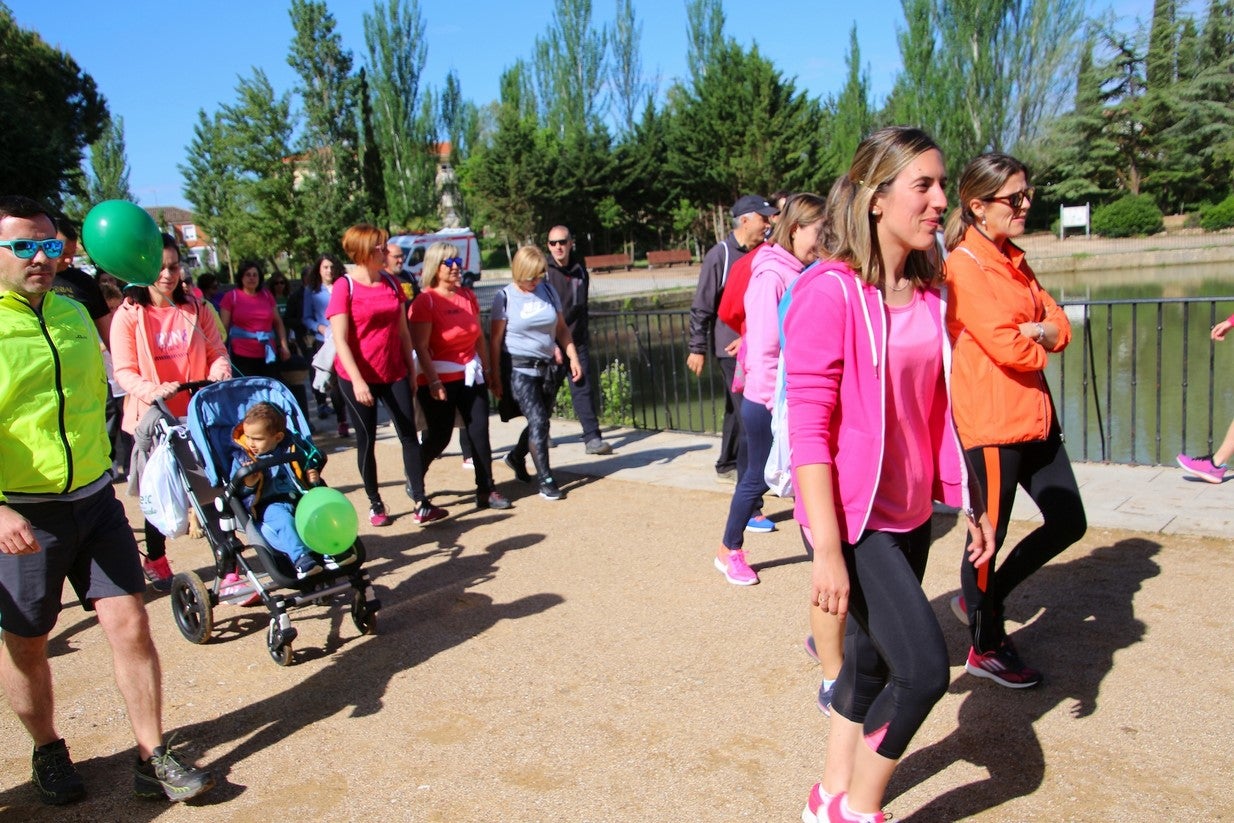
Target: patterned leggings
[535, 395]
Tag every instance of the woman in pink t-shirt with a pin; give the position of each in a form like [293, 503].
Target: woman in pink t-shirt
[162, 337]
[445, 328]
[255, 331]
[374, 361]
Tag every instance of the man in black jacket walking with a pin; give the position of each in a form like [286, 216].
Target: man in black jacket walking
[568, 276]
[751, 217]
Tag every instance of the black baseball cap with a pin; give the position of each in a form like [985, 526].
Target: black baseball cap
[754, 203]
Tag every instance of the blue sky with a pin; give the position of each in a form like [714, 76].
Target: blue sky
[159, 62]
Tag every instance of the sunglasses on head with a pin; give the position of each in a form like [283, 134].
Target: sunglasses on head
[561, 242]
[1015, 199]
[451, 262]
[27, 249]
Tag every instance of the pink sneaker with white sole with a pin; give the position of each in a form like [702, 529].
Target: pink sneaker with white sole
[736, 570]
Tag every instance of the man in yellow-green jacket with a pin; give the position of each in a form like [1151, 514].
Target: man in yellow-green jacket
[60, 520]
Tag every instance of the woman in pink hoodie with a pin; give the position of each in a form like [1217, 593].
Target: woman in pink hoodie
[866, 359]
[794, 245]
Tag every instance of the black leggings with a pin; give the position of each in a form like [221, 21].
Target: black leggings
[535, 395]
[895, 658]
[397, 399]
[471, 403]
[1044, 470]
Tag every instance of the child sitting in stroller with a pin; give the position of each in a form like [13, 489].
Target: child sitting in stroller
[271, 492]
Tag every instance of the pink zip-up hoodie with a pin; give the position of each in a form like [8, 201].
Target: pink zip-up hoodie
[774, 269]
[835, 332]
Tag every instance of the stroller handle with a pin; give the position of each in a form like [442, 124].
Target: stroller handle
[188, 386]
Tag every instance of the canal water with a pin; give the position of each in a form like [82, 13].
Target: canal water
[1140, 382]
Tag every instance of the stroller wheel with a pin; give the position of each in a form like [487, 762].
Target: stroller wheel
[191, 607]
[363, 614]
[280, 649]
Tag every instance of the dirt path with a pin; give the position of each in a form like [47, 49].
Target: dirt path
[582, 661]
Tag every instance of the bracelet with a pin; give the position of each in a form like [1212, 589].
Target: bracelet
[1040, 333]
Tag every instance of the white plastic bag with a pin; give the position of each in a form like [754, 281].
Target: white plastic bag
[164, 501]
[323, 365]
[779, 471]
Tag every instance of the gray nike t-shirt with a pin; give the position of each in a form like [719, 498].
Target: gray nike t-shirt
[531, 319]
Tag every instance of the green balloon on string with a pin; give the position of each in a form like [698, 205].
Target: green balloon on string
[122, 239]
[326, 521]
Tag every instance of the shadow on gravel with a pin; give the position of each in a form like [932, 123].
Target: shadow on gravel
[1078, 615]
[431, 611]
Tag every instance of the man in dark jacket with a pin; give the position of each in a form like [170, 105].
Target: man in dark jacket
[568, 277]
[751, 217]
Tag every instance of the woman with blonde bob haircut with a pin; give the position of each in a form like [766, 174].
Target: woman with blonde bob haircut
[527, 326]
[1004, 326]
[374, 361]
[453, 357]
[866, 359]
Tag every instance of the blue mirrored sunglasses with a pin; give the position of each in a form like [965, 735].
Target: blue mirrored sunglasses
[451, 262]
[26, 249]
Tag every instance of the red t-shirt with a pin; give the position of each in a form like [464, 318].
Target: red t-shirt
[455, 322]
[251, 312]
[732, 308]
[372, 334]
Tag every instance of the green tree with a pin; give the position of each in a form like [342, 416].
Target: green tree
[630, 89]
[571, 70]
[331, 189]
[370, 159]
[50, 110]
[704, 35]
[397, 49]
[1078, 159]
[916, 99]
[212, 182]
[108, 175]
[852, 118]
[741, 127]
[983, 76]
[259, 131]
[507, 176]
[460, 120]
[640, 186]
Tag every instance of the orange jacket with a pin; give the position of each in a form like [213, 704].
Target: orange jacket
[998, 384]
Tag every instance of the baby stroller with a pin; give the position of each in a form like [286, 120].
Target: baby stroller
[204, 458]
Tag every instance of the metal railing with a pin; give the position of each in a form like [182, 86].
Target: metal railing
[1140, 382]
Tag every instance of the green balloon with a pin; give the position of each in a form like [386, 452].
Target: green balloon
[122, 239]
[326, 521]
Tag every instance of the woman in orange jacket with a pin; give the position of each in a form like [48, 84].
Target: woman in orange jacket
[1003, 325]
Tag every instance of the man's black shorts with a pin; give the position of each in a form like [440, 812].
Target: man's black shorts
[88, 542]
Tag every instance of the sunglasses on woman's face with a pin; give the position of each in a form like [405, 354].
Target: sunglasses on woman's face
[452, 262]
[1015, 199]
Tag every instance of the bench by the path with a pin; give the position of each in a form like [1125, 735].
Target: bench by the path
[668, 257]
[604, 262]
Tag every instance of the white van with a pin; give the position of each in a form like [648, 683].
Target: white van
[462, 239]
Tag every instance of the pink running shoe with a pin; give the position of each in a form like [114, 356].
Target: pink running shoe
[959, 607]
[1202, 467]
[377, 515]
[1002, 665]
[817, 805]
[159, 573]
[234, 587]
[839, 812]
[736, 570]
